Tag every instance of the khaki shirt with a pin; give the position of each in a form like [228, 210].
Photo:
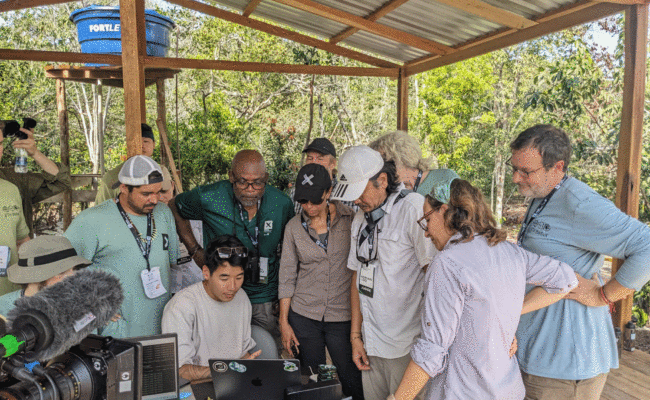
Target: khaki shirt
[35, 187]
[12, 229]
[317, 282]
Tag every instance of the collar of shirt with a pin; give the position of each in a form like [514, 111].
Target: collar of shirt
[390, 201]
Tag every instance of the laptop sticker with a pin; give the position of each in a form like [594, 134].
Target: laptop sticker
[235, 366]
[290, 367]
[220, 366]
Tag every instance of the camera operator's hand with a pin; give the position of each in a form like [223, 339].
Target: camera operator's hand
[29, 145]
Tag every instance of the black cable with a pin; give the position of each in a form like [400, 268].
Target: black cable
[40, 371]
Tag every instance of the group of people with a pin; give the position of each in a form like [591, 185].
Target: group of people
[395, 269]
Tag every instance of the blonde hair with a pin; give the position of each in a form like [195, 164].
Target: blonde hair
[402, 148]
[469, 214]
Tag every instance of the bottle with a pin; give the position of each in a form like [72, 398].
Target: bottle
[630, 334]
[619, 341]
[21, 161]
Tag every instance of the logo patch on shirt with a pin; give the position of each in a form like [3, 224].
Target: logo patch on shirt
[268, 227]
[165, 241]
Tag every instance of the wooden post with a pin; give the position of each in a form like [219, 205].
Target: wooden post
[162, 129]
[64, 133]
[402, 101]
[100, 126]
[162, 117]
[631, 135]
[133, 54]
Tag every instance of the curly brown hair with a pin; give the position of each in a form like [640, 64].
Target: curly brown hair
[469, 214]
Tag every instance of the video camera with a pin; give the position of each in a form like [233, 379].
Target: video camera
[11, 128]
[103, 368]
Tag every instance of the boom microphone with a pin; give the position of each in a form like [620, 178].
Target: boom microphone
[62, 315]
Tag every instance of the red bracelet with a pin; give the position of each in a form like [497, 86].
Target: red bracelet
[612, 307]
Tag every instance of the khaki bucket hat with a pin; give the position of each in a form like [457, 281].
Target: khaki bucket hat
[44, 257]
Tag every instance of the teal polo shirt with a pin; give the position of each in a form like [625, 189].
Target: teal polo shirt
[214, 205]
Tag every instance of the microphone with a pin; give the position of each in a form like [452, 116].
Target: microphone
[62, 315]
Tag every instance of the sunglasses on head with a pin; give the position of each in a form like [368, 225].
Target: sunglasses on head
[227, 252]
[303, 201]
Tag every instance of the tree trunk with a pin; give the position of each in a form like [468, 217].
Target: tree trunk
[311, 117]
[500, 173]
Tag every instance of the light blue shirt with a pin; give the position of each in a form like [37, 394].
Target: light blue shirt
[568, 340]
[7, 301]
[473, 298]
[101, 235]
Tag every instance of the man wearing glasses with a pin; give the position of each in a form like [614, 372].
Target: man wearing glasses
[212, 318]
[567, 349]
[246, 207]
[388, 254]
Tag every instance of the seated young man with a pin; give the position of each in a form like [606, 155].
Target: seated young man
[212, 318]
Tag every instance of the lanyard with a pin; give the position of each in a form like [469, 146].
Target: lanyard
[144, 248]
[542, 205]
[417, 181]
[254, 239]
[319, 243]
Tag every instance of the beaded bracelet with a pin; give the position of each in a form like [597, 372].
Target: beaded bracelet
[612, 307]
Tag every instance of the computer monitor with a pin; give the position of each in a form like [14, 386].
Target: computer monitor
[159, 366]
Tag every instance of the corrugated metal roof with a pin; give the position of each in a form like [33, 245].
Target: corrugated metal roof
[427, 19]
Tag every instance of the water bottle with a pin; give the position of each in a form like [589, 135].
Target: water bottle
[21, 161]
[630, 335]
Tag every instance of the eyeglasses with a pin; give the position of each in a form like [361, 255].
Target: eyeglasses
[227, 252]
[303, 201]
[525, 173]
[422, 222]
[373, 250]
[243, 184]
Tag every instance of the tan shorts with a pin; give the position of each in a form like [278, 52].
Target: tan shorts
[540, 388]
[384, 377]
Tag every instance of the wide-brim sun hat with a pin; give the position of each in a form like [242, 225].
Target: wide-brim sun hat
[355, 168]
[42, 258]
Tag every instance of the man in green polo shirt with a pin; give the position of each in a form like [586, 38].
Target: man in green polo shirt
[244, 206]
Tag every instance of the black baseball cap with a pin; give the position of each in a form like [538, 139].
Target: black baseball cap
[312, 181]
[321, 145]
[147, 132]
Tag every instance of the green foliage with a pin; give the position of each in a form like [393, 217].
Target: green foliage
[279, 151]
[208, 141]
[641, 307]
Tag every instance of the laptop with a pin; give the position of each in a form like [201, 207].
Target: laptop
[253, 379]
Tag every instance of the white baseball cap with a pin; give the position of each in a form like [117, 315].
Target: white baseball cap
[355, 168]
[139, 171]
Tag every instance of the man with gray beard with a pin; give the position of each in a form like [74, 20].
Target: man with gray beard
[256, 213]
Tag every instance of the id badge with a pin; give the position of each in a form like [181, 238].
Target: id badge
[264, 270]
[5, 259]
[152, 283]
[367, 280]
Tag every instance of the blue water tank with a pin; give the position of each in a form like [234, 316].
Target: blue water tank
[98, 28]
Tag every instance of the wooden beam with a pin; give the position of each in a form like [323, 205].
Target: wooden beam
[220, 65]
[162, 129]
[92, 73]
[490, 13]
[64, 139]
[386, 8]
[630, 144]
[556, 21]
[133, 54]
[58, 56]
[346, 18]
[161, 108]
[250, 8]
[627, 2]
[12, 5]
[402, 101]
[281, 32]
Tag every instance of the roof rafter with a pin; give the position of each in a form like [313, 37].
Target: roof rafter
[490, 13]
[391, 5]
[164, 62]
[250, 8]
[59, 56]
[368, 26]
[282, 32]
[12, 5]
[558, 20]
